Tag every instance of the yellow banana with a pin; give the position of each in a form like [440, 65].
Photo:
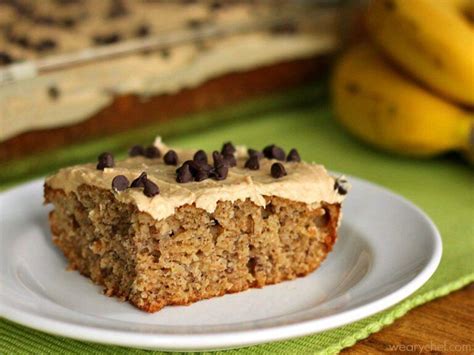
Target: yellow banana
[431, 39]
[378, 104]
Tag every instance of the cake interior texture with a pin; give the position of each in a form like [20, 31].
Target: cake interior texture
[192, 254]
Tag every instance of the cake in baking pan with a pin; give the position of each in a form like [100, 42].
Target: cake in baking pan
[81, 69]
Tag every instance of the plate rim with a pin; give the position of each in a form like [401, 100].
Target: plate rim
[239, 338]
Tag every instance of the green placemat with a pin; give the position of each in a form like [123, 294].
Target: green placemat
[442, 187]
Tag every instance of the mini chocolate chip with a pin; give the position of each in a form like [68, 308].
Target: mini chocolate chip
[204, 166]
[106, 160]
[107, 39]
[45, 45]
[140, 181]
[67, 22]
[195, 24]
[53, 92]
[165, 53]
[339, 188]
[183, 174]
[200, 156]
[151, 189]
[120, 183]
[278, 170]
[152, 152]
[252, 163]
[257, 153]
[215, 5]
[218, 158]
[5, 58]
[200, 170]
[293, 155]
[171, 158]
[193, 166]
[136, 150]
[228, 148]
[201, 175]
[23, 41]
[230, 160]
[142, 31]
[274, 152]
[220, 172]
[117, 9]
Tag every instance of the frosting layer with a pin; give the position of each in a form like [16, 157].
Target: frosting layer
[305, 182]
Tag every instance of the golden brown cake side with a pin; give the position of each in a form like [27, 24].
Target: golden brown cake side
[192, 254]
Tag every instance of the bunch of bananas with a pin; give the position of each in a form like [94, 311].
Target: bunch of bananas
[410, 89]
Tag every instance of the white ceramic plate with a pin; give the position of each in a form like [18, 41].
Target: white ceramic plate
[387, 249]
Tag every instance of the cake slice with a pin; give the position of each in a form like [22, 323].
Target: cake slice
[171, 227]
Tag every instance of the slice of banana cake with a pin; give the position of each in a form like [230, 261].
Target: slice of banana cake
[171, 227]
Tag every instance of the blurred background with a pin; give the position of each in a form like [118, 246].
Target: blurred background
[80, 76]
[381, 89]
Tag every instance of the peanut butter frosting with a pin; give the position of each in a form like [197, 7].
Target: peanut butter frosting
[305, 182]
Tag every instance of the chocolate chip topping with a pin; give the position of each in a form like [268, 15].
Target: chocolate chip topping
[252, 163]
[221, 166]
[140, 181]
[22, 41]
[165, 53]
[274, 152]
[339, 188]
[142, 31]
[201, 175]
[105, 160]
[150, 189]
[220, 172]
[117, 9]
[136, 150]
[53, 92]
[66, 22]
[218, 158]
[257, 153]
[193, 166]
[171, 158]
[200, 169]
[107, 39]
[278, 170]
[120, 183]
[215, 5]
[230, 160]
[195, 24]
[200, 157]
[45, 45]
[183, 174]
[5, 58]
[293, 156]
[228, 148]
[152, 152]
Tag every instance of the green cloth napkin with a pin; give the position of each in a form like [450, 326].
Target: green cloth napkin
[443, 187]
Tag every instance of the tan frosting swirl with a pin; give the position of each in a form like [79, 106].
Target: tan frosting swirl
[306, 182]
